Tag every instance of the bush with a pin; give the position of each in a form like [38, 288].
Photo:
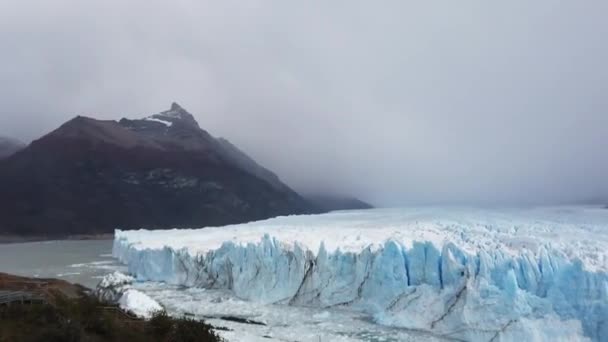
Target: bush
[169, 329]
[189, 330]
[85, 320]
[160, 324]
[33, 323]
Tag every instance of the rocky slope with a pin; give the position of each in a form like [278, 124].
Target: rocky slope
[93, 176]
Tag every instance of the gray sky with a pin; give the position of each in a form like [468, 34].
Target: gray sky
[398, 102]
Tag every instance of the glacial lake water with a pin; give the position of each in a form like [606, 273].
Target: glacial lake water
[84, 262]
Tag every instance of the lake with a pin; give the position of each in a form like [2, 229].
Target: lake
[84, 262]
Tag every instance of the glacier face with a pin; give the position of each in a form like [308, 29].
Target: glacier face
[465, 274]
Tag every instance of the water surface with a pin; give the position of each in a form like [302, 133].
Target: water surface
[84, 262]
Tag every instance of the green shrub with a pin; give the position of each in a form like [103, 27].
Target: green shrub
[33, 323]
[169, 329]
[160, 324]
[85, 320]
[189, 330]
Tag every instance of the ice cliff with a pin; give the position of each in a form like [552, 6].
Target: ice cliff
[511, 275]
[116, 288]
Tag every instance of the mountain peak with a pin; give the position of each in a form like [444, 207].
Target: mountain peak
[160, 172]
[176, 114]
[176, 107]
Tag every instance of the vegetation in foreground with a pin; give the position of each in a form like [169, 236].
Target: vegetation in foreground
[84, 319]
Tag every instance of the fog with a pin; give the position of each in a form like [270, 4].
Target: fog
[396, 102]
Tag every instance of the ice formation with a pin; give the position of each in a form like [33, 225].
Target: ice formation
[466, 274]
[115, 279]
[139, 303]
[116, 288]
[112, 286]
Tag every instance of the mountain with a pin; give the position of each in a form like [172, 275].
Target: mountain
[9, 146]
[92, 176]
[332, 202]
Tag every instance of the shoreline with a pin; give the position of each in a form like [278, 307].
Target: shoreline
[59, 287]
[37, 309]
[13, 239]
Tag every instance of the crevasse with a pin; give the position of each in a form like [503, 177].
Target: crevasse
[490, 295]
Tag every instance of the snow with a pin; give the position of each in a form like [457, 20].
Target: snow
[139, 303]
[471, 274]
[166, 123]
[176, 112]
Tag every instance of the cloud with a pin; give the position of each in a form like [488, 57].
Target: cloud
[396, 101]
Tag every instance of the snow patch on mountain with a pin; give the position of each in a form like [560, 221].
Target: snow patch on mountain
[166, 123]
[471, 274]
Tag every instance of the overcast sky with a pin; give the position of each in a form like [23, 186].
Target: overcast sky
[398, 102]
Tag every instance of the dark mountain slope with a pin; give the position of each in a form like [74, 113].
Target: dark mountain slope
[242, 160]
[9, 147]
[331, 203]
[92, 176]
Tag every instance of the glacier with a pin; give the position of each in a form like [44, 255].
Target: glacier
[534, 274]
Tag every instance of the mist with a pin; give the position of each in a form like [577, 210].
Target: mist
[395, 102]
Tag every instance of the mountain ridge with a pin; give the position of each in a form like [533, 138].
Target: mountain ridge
[93, 176]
